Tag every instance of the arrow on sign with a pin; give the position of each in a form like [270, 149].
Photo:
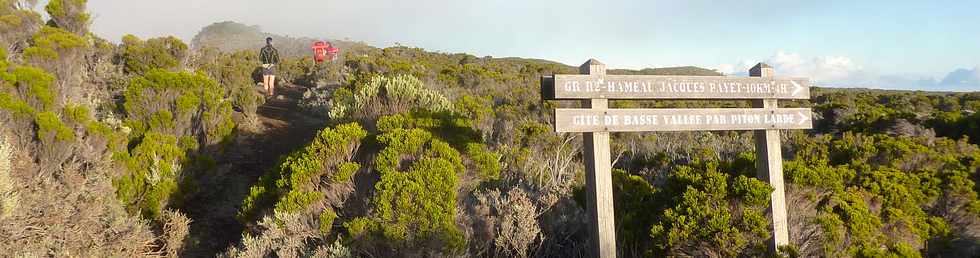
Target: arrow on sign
[797, 88]
[803, 118]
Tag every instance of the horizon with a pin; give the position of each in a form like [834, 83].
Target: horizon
[798, 39]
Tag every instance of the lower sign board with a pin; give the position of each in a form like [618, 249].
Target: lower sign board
[636, 120]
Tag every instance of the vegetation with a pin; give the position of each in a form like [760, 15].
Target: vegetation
[57, 198]
[414, 204]
[293, 185]
[180, 104]
[398, 94]
[694, 199]
[111, 150]
[69, 15]
[237, 73]
[140, 56]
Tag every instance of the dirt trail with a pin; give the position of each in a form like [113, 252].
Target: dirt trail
[282, 128]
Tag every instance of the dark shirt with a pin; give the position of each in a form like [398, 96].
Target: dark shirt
[269, 55]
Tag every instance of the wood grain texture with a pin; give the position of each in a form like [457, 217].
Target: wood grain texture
[769, 165]
[598, 183]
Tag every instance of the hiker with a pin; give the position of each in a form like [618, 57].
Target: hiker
[270, 58]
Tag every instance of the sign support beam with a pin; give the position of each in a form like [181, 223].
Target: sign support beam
[598, 166]
[769, 162]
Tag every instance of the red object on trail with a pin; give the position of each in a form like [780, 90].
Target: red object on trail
[324, 51]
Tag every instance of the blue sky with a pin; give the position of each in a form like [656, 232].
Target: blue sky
[930, 45]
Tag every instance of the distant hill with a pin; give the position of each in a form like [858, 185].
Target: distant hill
[229, 36]
[962, 80]
[683, 70]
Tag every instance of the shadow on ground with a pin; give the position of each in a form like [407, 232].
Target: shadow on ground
[281, 129]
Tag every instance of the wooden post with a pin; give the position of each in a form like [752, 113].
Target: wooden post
[596, 120]
[599, 177]
[769, 161]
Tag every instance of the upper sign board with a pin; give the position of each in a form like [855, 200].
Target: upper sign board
[563, 86]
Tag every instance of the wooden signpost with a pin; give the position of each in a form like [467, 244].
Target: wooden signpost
[596, 120]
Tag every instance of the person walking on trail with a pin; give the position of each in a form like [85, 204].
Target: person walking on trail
[270, 58]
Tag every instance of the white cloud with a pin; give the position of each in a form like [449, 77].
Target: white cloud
[832, 70]
[736, 69]
[827, 70]
[725, 68]
[842, 71]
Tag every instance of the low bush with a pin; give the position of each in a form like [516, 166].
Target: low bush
[155, 170]
[414, 206]
[382, 95]
[178, 103]
[294, 184]
[139, 57]
[234, 71]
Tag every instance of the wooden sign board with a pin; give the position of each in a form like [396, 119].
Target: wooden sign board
[596, 121]
[642, 120]
[566, 86]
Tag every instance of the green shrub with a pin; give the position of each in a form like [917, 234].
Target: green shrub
[397, 94]
[176, 119]
[3, 66]
[345, 172]
[479, 110]
[69, 15]
[16, 106]
[633, 197]
[297, 200]
[234, 71]
[178, 103]
[326, 221]
[487, 162]
[697, 214]
[139, 57]
[37, 84]
[77, 113]
[449, 127]
[294, 70]
[50, 127]
[751, 191]
[358, 226]
[106, 132]
[415, 207]
[16, 24]
[155, 168]
[52, 44]
[879, 183]
[292, 185]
